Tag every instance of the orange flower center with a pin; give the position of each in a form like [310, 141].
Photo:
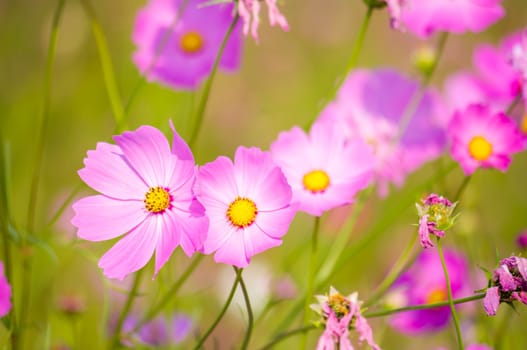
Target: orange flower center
[339, 304]
[316, 181]
[436, 295]
[191, 42]
[479, 148]
[242, 212]
[523, 125]
[157, 199]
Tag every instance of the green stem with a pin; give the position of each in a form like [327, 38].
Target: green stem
[64, 205]
[398, 267]
[126, 309]
[450, 298]
[308, 297]
[359, 42]
[283, 336]
[462, 188]
[250, 317]
[171, 293]
[208, 85]
[381, 313]
[202, 340]
[107, 67]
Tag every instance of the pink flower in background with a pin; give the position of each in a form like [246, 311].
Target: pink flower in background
[481, 138]
[423, 18]
[521, 240]
[5, 293]
[519, 62]
[424, 283]
[182, 55]
[371, 105]
[323, 169]
[508, 283]
[249, 11]
[394, 7]
[435, 213]
[248, 205]
[146, 193]
[338, 314]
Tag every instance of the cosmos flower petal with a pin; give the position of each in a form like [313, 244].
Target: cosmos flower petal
[179, 147]
[276, 223]
[216, 182]
[233, 251]
[193, 230]
[169, 239]
[101, 218]
[134, 250]
[491, 301]
[257, 241]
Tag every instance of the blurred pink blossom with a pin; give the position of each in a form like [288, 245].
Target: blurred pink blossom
[5, 293]
[249, 11]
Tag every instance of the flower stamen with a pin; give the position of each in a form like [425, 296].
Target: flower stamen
[242, 212]
[191, 42]
[479, 148]
[316, 181]
[157, 200]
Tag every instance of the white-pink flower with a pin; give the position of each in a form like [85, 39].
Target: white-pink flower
[249, 11]
[146, 193]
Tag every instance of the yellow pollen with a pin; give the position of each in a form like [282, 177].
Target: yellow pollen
[523, 125]
[242, 212]
[479, 148]
[339, 304]
[157, 199]
[316, 181]
[191, 42]
[436, 296]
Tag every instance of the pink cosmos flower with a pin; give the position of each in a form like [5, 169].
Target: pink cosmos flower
[365, 108]
[146, 192]
[248, 205]
[521, 240]
[323, 169]
[249, 11]
[5, 293]
[339, 315]
[519, 62]
[423, 18]
[484, 139]
[424, 283]
[508, 283]
[435, 214]
[182, 55]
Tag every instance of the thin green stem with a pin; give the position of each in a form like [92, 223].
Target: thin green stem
[450, 297]
[64, 205]
[462, 188]
[107, 67]
[283, 336]
[171, 293]
[308, 297]
[209, 331]
[502, 328]
[359, 42]
[382, 313]
[398, 267]
[250, 317]
[208, 85]
[114, 343]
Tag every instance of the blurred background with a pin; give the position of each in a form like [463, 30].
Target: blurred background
[285, 80]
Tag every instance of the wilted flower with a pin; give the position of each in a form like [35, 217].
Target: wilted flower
[249, 11]
[508, 283]
[146, 193]
[248, 205]
[424, 283]
[5, 293]
[482, 138]
[177, 43]
[340, 314]
[435, 217]
[324, 169]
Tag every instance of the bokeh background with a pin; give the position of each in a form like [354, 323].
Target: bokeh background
[285, 80]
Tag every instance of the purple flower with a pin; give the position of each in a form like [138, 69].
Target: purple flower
[521, 240]
[508, 283]
[339, 315]
[184, 58]
[5, 293]
[365, 108]
[424, 283]
[435, 217]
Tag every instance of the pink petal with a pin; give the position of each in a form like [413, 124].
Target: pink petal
[107, 171]
[100, 218]
[274, 192]
[219, 229]
[257, 241]
[251, 167]
[233, 251]
[169, 239]
[491, 301]
[193, 230]
[179, 146]
[216, 182]
[148, 152]
[276, 223]
[134, 250]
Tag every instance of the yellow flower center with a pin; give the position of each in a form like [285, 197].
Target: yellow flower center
[191, 42]
[523, 125]
[316, 181]
[242, 212]
[157, 199]
[339, 304]
[479, 148]
[436, 295]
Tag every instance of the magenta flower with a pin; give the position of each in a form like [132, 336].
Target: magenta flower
[324, 170]
[248, 205]
[521, 240]
[364, 109]
[483, 139]
[5, 293]
[146, 192]
[424, 283]
[435, 217]
[519, 62]
[339, 315]
[423, 18]
[508, 283]
[182, 55]
[249, 11]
